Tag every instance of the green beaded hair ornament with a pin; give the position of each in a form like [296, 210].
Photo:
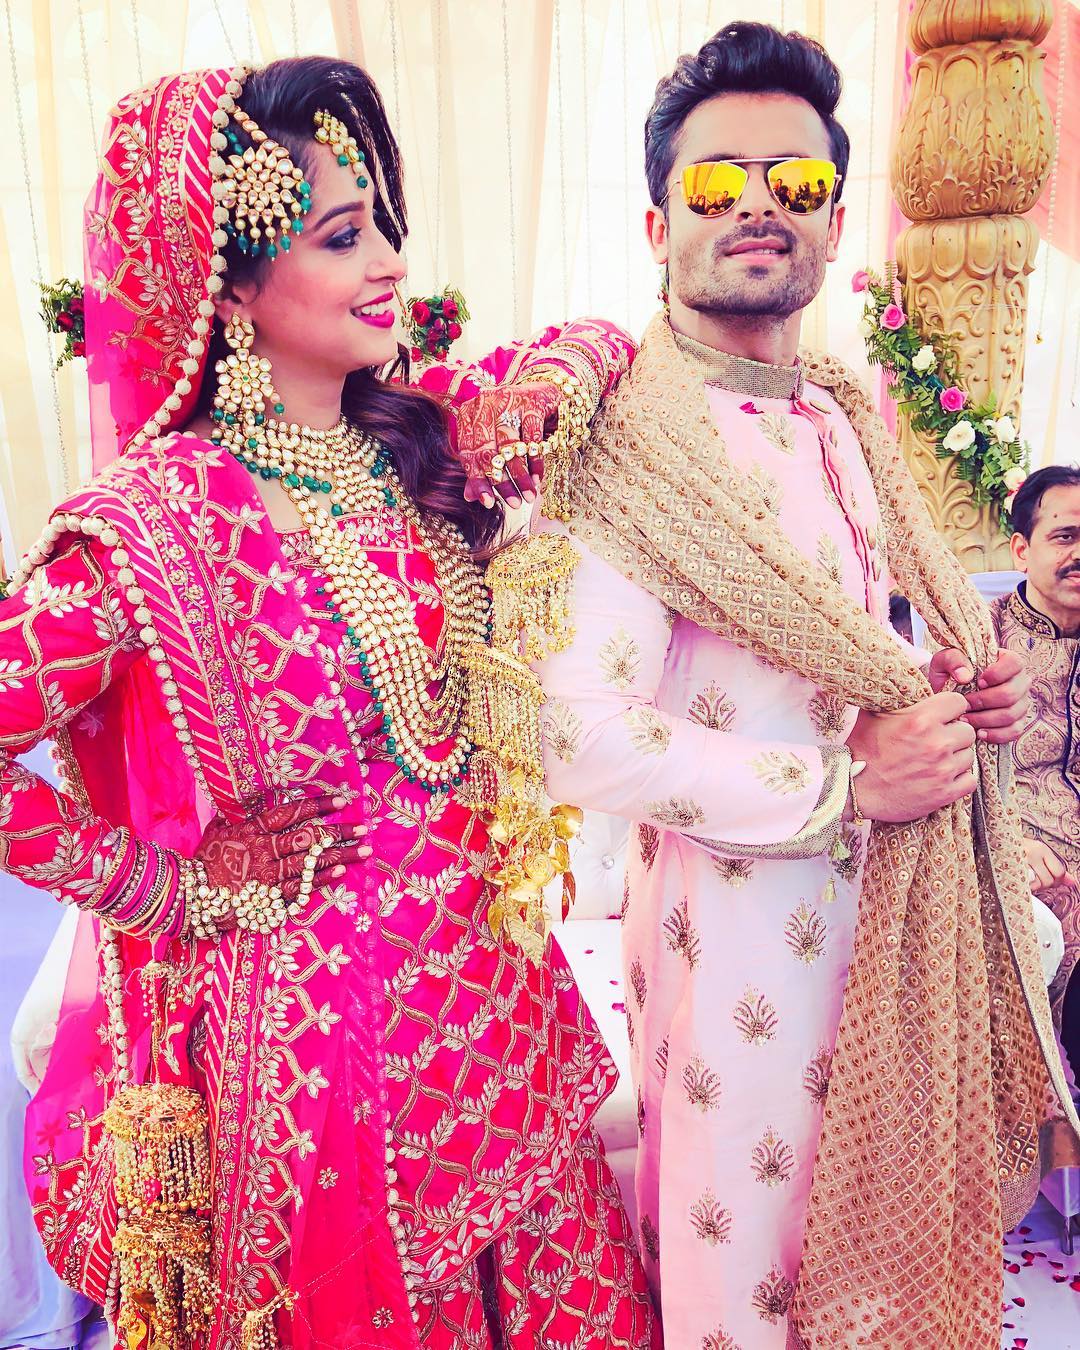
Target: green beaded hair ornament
[332, 131]
[266, 195]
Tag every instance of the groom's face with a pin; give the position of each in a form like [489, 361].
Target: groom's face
[756, 258]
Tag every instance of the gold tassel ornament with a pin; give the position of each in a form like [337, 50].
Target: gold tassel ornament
[530, 592]
[162, 1246]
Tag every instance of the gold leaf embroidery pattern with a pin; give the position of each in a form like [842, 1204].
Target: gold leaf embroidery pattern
[648, 731]
[816, 1075]
[805, 933]
[771, 492]
[734, 871]
[773, 1295]
[650, 1238]
[620, 660]
[755, 1017]
[773, 1161]
[778, 431]
[680, 813]
[701, 1085]
[781, 771]
[712, 708]
[828, 712]
[638, 982]
[828, 557]
[830, 491]
[648, 843]
[562, 730]
[682, 936]
[718, 1340]
[710, 1221]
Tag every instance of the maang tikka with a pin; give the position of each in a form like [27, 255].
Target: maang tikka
[265, 193]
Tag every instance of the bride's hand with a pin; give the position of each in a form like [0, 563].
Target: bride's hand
[498, 420]
[271, 846]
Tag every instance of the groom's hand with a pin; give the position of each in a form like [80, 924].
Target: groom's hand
[999, 705]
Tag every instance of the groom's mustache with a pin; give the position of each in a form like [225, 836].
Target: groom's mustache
[775, 231]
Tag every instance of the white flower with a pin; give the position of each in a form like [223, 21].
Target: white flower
[924, 359]
[1004, 430]
[959, 437]
[1015, 477]
[866, 326]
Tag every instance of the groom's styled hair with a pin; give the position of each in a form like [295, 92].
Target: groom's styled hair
[743, 58]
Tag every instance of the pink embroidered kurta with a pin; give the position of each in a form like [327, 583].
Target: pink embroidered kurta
[740, 908]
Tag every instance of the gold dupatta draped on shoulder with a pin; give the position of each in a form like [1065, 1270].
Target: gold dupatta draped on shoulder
[945, 1065]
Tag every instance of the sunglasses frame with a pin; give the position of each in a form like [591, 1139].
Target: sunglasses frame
[680, 181]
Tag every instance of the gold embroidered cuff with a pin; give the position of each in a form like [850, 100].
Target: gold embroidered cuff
[821, 830]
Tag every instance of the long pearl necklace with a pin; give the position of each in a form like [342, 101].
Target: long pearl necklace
[343, 471]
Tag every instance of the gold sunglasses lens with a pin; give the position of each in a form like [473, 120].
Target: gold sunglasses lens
[802, 186]
[712, 189]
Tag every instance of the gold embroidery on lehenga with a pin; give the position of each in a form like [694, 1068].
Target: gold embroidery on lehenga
[718, 1340]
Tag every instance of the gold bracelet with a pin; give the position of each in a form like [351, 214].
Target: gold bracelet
[857, 817]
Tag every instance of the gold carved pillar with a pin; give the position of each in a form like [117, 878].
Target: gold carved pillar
[973, 152]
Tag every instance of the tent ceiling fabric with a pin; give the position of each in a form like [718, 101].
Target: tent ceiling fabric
[73, 58]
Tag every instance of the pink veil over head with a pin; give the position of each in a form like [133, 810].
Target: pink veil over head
[149, 253]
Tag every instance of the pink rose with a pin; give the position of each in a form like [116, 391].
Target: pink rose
[449, 309]
[952, 399]
[454, 330]
[421, 312]
[860, 281]
[892, 317]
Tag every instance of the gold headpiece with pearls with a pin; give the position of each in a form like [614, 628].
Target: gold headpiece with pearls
[332, 131]
[265, 193]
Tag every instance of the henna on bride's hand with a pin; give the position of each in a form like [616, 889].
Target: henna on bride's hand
[495, 419]
[234, 852]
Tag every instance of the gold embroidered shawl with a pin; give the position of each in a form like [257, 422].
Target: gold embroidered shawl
[945, 1066]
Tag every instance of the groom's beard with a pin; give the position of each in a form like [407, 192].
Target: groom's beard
[719, 284]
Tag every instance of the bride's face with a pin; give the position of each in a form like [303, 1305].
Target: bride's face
[327, 304]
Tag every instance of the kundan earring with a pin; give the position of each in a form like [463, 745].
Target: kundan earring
[245, 395]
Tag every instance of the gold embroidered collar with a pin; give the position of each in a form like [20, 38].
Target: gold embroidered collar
[755, 379]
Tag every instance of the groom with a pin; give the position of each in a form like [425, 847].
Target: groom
[731, 602]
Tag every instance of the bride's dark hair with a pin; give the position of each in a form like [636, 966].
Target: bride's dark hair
[283, 98]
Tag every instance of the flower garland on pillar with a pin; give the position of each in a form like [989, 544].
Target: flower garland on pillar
[435, 322]
[62, 312]
[923, 370]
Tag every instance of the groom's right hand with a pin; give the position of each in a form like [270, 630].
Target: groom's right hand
[916, 761]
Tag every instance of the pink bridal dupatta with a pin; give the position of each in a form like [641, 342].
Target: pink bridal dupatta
[281, 1034]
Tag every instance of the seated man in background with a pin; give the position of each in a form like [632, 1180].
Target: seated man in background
[1040, 621]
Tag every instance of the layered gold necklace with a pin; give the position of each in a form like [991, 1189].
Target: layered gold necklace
[420, 696]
